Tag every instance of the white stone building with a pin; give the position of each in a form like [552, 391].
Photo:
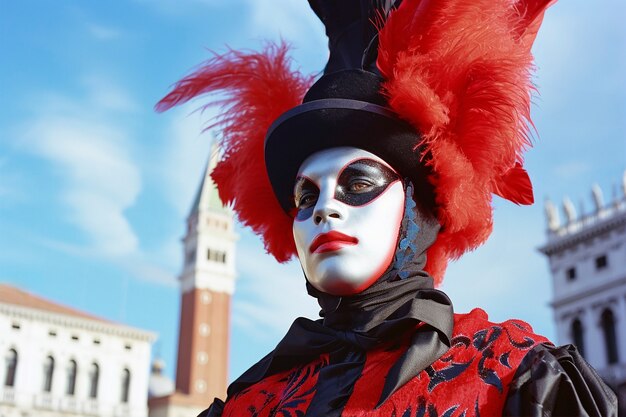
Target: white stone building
[587, 256]
[57, 361]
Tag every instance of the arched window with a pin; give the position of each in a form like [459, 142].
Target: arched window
[94, 375]
[10, 367]
[48, 373]
[125, 385]
[72, 370]
[577, 336]
[610, 336]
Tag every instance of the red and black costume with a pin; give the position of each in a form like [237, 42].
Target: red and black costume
[440, 90]
[492, 369]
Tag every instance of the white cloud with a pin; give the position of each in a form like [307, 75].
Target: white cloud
[100, 179]
[90, 152]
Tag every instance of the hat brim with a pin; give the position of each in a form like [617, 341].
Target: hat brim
[334, 122]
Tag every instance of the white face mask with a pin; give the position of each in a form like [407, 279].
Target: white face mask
[350, 207]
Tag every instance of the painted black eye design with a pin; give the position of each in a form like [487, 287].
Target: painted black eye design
[358, 183]
[307, 199]
[306, 194]
[362, 181]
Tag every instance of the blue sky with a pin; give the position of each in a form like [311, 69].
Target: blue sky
[94, 186]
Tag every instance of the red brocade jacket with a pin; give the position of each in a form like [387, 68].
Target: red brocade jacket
[473, 378]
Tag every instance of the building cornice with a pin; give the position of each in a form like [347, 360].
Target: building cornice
[198, 278]
[588, 292]
[587, 232]
[65, 320]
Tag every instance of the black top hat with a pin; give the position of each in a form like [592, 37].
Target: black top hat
[344, 108]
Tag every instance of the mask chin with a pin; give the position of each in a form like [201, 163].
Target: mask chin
[341, 280]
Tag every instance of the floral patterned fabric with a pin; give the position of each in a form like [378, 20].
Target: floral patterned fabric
[471, 379]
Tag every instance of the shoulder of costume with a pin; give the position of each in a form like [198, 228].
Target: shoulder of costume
[476, 325]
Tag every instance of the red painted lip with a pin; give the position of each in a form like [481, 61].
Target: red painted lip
[331, 241]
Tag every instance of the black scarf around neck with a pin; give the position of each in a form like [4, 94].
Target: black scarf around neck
[387, 311]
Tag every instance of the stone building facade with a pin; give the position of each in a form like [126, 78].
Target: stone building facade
[587, 258]
[57, 361]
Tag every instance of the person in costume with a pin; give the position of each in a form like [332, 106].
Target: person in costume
[374, 177]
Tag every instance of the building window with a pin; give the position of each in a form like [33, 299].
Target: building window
[571, 274]
[216, 255]
[72, 370]
[125, 385]
[11, 368]
[610, 336]
[577, 336]
[94, 375]
[48, 373]
[602, 262]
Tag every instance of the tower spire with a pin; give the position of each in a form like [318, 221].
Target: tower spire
[207, 196]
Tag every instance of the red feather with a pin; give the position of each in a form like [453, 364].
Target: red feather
[515, 186]
[460, 72]
[257, 87]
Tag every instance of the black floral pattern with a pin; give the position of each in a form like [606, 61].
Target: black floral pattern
[292, 400]
[491, 360]
[446, 374]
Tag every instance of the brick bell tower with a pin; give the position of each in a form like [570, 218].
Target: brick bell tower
[207, 283]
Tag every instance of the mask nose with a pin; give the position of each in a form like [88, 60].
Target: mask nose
[327, 209]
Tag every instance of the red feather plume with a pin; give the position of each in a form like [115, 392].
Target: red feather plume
[257, 88]
[460, 72]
